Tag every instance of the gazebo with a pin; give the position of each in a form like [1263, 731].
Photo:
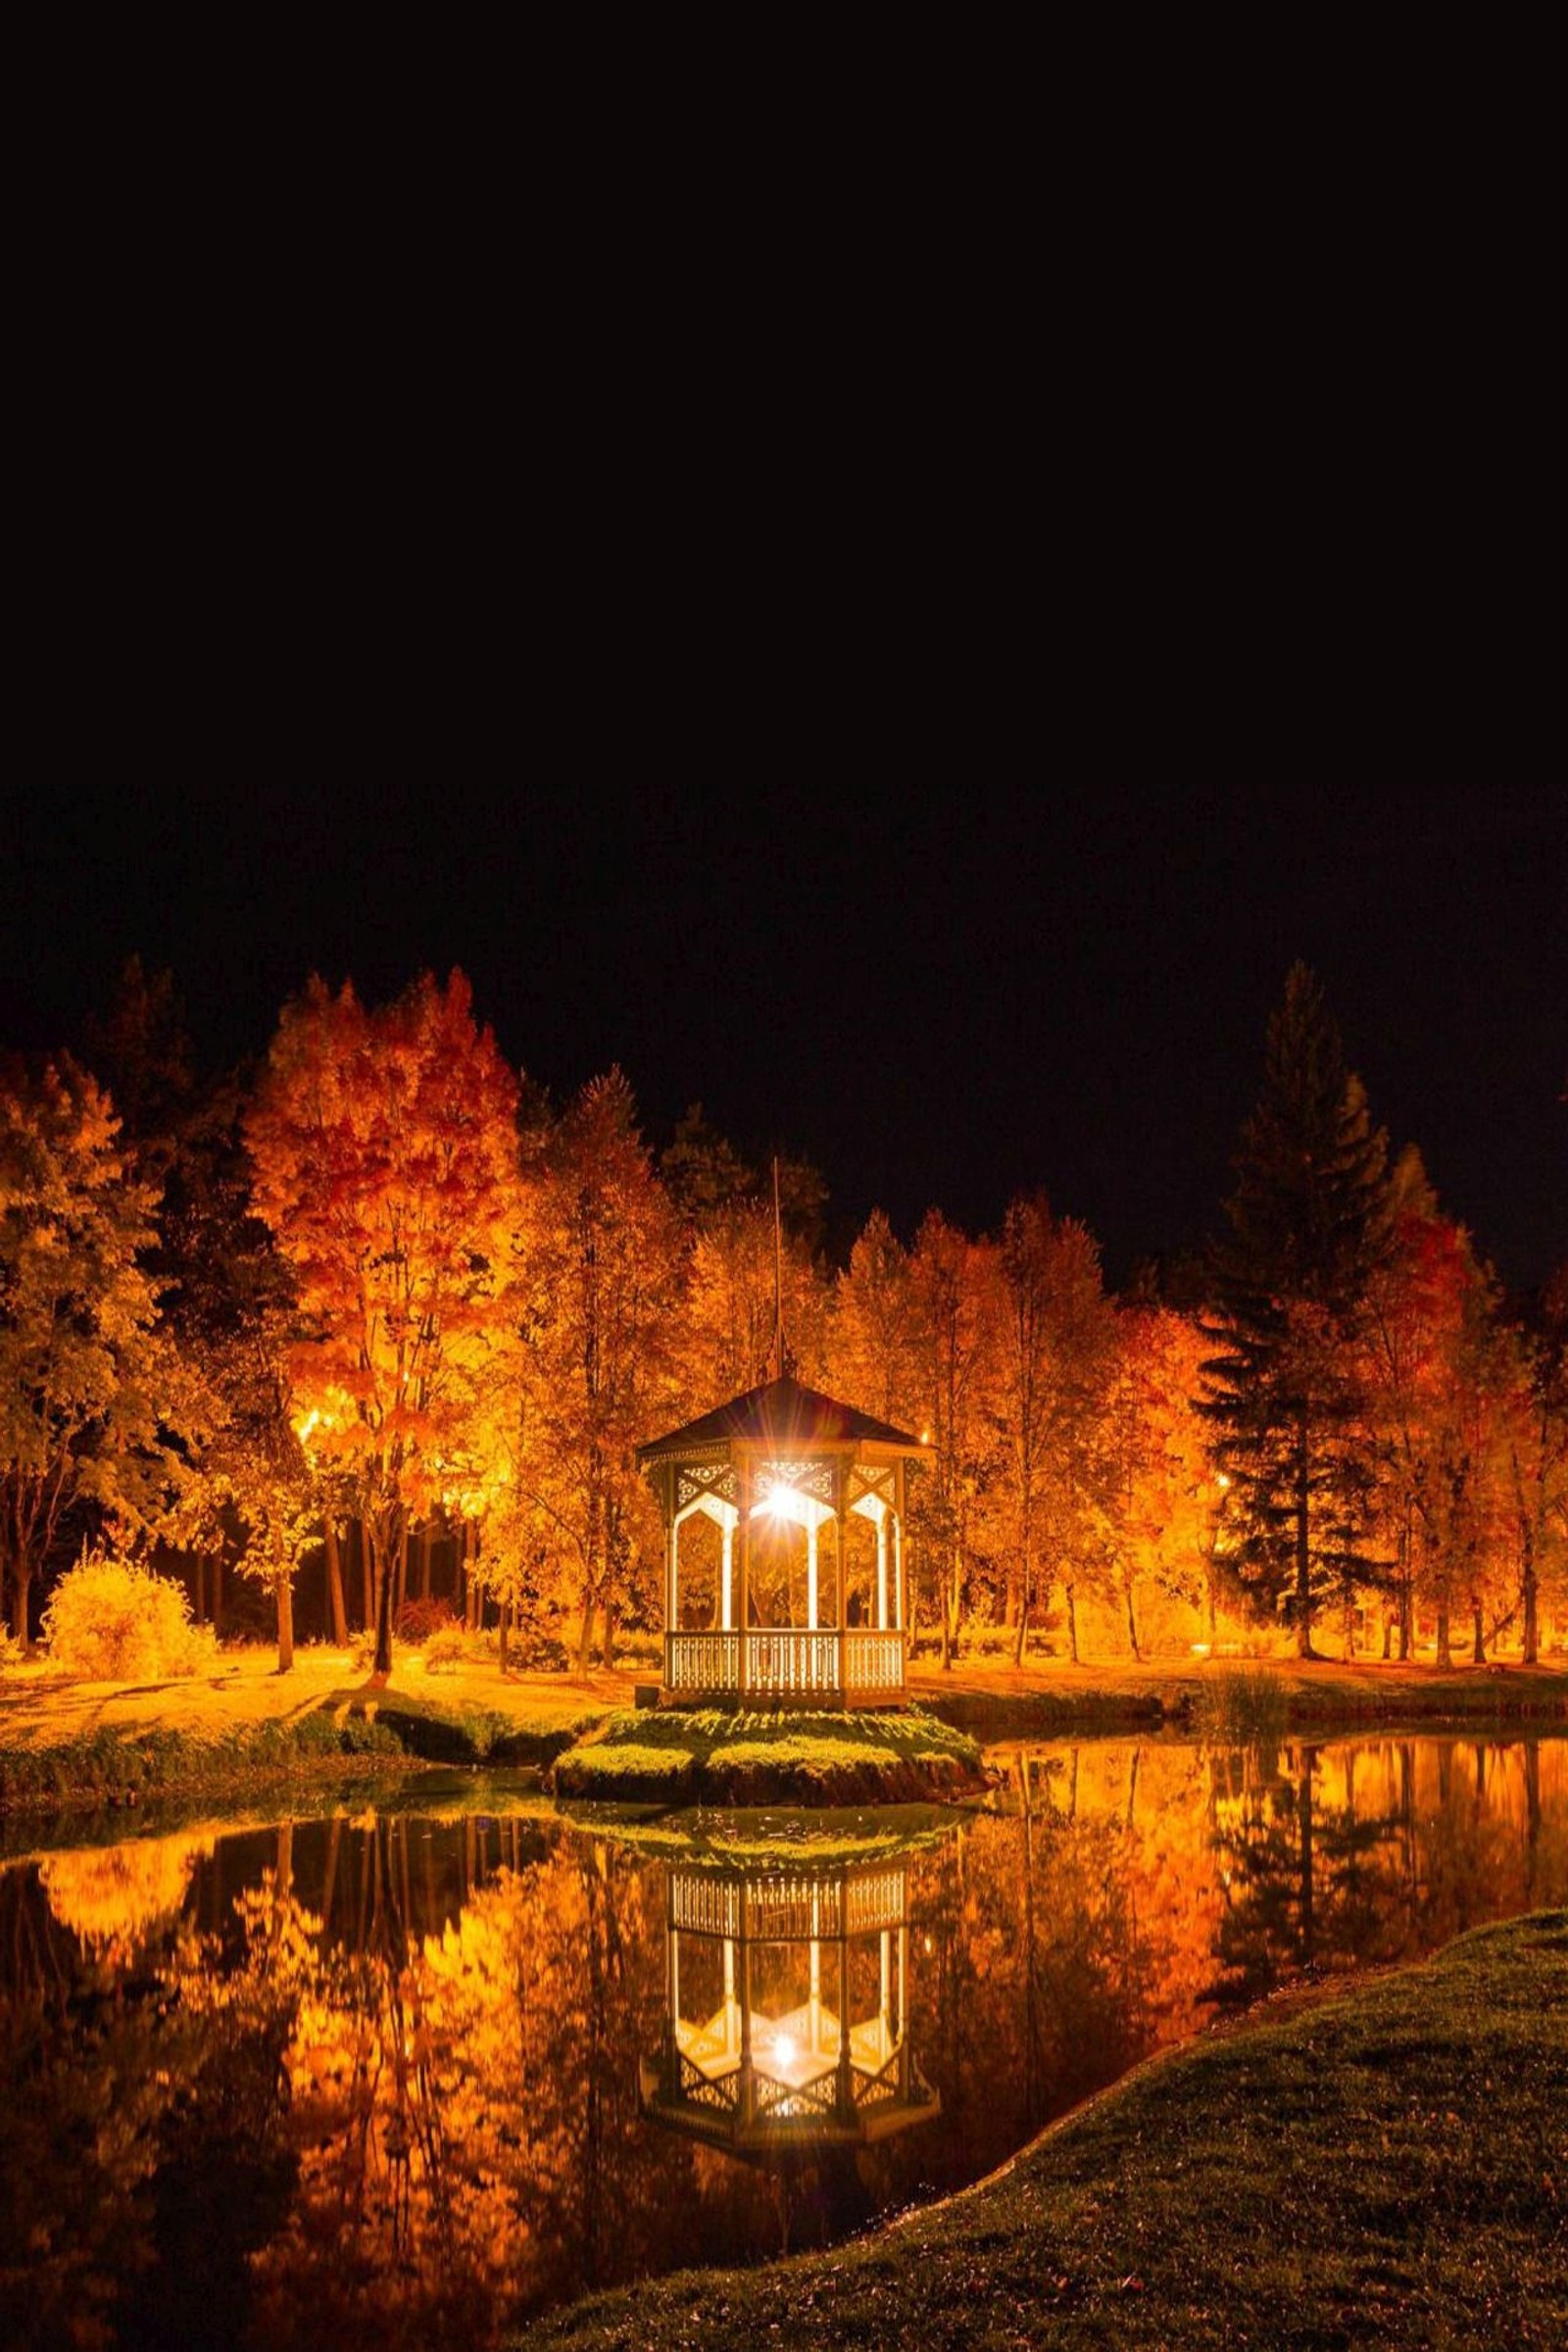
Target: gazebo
[755, 1606]
[786, 2007]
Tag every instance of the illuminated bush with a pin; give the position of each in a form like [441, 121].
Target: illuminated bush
[417, 1619]
[110, 1621]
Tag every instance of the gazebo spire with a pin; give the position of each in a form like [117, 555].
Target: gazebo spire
[780, 1360]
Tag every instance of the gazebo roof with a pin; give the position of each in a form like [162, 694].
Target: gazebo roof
[785, 1417]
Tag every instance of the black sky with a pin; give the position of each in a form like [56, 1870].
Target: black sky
[921, 711]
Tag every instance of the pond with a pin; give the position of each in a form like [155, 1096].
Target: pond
[379, 2071]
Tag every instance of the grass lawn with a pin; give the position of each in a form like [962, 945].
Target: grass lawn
[1383, 2165]
[62, 1741]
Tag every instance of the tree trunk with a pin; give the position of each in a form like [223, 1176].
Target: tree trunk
[1444, 1651]
[1303, 1549]
[1132, 1625]
[1388, 1638]
[1530, 1593]
[501, 1654]
[471, 1583]
[217, 1591]
[359, 1536]
[609, 1652]
[198, 1580]
[284, 1591]
[403, 1567]
[1071, 1597]
[585, 1634]
[1478, 1634]
[385, 1542]
[334, 1585]
[1023, 1635]
[426, 1532]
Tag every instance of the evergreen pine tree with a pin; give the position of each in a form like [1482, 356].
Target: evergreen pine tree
[1310, 1224]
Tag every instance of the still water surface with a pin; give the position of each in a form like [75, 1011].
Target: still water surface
[370, 2075]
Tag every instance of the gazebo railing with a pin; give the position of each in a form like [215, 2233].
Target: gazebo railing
[785, 1662]
[873, 1661]
[703, 1662]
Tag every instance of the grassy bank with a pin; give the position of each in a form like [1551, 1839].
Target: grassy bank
[247, 1726]
[1051, 1698]
[1388, 2166]
[713, 1757]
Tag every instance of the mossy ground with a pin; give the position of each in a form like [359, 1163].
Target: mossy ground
[1386, 2166]
[707, 1756]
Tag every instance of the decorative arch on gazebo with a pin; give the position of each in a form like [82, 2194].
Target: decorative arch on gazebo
[785, 1457]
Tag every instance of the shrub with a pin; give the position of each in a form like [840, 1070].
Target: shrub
[417, 1619]
[445, 1650]
[112, 1621]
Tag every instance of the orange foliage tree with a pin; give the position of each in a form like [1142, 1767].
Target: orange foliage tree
[82, 1373]
[386, 1164]
[596, 1369]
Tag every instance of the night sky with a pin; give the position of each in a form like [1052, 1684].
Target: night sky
[941, 988]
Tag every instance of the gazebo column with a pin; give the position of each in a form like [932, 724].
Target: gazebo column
[810, 1577]
[902, 1620]
[672, 1550]
[841, 1483]
[728, 1609]
[743, 1496]
[882, 1570]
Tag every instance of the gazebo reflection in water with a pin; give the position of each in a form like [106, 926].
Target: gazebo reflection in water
[786, 2006]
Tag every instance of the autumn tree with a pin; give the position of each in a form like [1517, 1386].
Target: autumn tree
[954, 1304]
[1308, 1228]
[386, 1164]
[596, 1370]
[725, 1210]
[1159, 1505]
[1538, 1465]
[1447, 1403]
[872, 1346]
[1055, 1358]
[80, 1377]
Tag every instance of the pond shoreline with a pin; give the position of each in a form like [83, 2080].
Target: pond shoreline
[1286, 2165]
[118, 1746]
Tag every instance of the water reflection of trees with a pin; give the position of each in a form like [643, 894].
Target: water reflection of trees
[381, 2076]
[1331, 1857]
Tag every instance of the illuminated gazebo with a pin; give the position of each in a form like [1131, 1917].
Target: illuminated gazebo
[756, 1605]
[786, 2007]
